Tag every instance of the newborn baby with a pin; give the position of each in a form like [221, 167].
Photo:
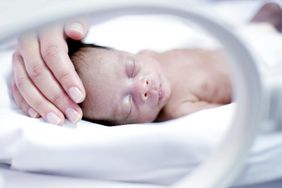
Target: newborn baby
[124, 88]
[121, 87]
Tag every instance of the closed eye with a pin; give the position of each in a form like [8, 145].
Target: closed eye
[132, 72]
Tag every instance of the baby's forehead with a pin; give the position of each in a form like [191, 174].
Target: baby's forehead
[101, 78]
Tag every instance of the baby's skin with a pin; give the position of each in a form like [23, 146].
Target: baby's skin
[199, 79]
[125, 88]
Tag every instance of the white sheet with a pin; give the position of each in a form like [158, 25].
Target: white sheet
[151, 153]
[16, 179]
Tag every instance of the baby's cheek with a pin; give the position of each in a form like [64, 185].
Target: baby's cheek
[92, 110]
[87, 112]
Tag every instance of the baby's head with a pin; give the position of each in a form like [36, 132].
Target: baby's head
[121, 87]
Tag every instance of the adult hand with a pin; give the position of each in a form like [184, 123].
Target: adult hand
[45, 82]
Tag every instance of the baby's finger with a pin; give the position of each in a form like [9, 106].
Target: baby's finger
[77, 29]
[22, 103]
[54, 51]
[32, 96]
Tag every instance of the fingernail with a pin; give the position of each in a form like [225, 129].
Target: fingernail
[32, 113]
[53, 118]
[75, 94]
[73, 115]
[77, 27]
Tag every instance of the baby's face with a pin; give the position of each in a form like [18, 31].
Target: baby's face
[122, 87]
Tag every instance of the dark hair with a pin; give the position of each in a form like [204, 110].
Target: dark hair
[75, 46]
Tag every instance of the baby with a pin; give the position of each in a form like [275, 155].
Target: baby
[124, 88]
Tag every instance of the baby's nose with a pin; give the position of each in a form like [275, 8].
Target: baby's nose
[143, 88]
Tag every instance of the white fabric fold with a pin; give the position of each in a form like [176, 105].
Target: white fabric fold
[160, 153]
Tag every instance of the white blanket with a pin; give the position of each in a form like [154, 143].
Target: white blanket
[156, 153]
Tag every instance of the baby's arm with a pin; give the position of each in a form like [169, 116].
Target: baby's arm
[210, 84]
[187, 108]
[184, 108]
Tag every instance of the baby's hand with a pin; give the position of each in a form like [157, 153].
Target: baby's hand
[45, 82]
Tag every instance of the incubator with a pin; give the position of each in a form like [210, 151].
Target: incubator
[257, 87]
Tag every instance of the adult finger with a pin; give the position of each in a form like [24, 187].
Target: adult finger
[77, 29]
[45, 81]
[31, 94]
[19, 100]
[54, 51]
